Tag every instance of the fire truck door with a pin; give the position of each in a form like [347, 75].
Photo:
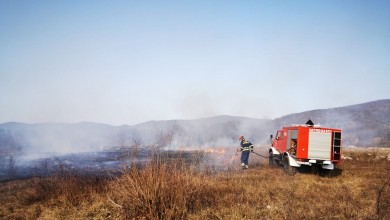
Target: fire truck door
[280, 140]
[291, 134]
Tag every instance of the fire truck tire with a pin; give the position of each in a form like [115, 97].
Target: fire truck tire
[327, 173]
[272, 160]
[287, 168]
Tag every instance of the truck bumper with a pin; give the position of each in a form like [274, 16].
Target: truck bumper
[328, 165]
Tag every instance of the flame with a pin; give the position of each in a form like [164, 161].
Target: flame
[215, 151]
[211, 150]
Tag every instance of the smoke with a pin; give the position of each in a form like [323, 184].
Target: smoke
[66, 138]
[362, 125]
[221, 131]
[96, 145]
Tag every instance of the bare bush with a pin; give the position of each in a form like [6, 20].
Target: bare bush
[11, 167]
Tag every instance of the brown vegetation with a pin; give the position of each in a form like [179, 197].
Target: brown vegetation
[178, 190]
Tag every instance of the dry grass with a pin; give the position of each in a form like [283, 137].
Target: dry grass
[178, 190]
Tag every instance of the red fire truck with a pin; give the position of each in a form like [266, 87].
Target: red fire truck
[305, 145]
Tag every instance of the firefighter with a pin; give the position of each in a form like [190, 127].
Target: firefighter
[293, 146]
[246, 148]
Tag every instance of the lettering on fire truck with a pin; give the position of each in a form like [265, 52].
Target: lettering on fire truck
[320, 130]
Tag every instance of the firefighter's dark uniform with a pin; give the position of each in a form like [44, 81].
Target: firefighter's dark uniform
[246, 148]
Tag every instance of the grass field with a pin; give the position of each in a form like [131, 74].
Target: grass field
[181, 190]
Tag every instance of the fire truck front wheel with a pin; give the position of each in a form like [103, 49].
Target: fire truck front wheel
[272, 159]
[287, 168]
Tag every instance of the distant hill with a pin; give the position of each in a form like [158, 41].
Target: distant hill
[213, 131]
[364, 125]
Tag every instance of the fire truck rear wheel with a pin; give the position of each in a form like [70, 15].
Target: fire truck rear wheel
[287, 168]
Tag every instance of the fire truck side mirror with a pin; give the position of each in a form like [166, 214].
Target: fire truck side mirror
[270, 137]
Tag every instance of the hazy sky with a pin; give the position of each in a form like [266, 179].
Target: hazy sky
[126, 62]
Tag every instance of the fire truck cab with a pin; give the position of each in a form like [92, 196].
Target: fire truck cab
[305, 145]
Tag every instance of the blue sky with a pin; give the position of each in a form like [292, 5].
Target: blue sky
[127, 62]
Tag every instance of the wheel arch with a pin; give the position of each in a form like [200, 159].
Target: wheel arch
[273, 151]
[292, 161]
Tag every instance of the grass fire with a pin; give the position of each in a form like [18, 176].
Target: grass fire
[182, 185]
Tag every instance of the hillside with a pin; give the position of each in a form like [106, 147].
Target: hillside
[366, 124]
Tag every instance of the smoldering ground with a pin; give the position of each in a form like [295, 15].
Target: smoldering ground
[43, 148]
[115, 160]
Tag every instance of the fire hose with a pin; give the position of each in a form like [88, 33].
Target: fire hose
[259, 154]
[254, 153]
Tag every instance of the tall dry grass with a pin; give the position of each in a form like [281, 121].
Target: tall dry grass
[179, 189]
